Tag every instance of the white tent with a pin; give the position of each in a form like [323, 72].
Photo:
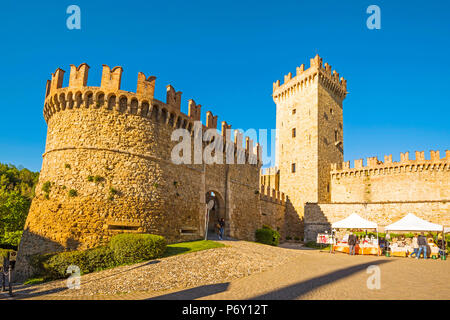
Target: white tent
[354, 221]
[412, 223]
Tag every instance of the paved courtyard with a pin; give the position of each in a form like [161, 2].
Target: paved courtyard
[245, 270]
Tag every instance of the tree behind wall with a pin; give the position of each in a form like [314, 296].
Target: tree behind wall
[16, 191]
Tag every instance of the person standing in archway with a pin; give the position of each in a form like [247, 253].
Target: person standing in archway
[217, 229]
[222, 227]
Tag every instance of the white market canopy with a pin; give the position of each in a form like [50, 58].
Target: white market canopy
[354, 221]
[412, 223]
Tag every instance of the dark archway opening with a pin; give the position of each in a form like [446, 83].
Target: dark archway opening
[217, 212]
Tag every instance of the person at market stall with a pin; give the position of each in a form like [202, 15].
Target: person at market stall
[351, 244]
[382, 243]
[415, 245]
[440, 243]
[422, 246]
[439, 240]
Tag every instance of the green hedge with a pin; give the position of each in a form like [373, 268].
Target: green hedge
[122, 249]
[54, 266]
[267, 235]
[133, 248]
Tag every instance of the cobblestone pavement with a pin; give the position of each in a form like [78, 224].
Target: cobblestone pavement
[247, 270]
[238, 259]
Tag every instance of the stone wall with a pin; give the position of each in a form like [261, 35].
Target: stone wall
[406, 180]
[320, 216]
[273, 209]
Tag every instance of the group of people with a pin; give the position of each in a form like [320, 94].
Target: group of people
[354, 240]
[419, 244]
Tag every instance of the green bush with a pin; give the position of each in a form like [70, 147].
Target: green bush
[54, 266]
[132, 248]
[122, 249]
[267, 235]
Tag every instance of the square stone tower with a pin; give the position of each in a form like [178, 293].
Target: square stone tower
[309, 120]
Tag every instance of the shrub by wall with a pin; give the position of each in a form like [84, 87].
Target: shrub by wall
[54, 266]
[122, 249]
[267, 235]
[133, 248]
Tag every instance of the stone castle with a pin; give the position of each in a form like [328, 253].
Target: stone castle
[107, 168]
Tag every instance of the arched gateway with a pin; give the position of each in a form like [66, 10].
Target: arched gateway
[217, 211]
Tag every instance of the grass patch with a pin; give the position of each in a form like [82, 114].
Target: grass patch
[314, 245]
[191, 246]
[34, 281]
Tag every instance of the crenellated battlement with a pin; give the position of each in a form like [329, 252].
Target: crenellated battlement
[375, 166]
[270, 194]
[305, 78]
[110, 97]
[269, 171]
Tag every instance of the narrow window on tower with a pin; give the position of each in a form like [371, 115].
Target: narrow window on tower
[335, 135]
[294, 111]
[328, 188]
[293, 168]
[293, 133]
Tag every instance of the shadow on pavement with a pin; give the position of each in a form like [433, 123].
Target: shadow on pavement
[28, 292]
[194, 293]
[297, 290]
[22, 291]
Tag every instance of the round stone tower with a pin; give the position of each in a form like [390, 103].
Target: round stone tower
[107, 166]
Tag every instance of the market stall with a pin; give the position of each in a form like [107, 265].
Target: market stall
[410, 223]
[366, 245]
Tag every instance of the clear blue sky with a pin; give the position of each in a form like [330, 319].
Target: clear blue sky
[227, 54]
